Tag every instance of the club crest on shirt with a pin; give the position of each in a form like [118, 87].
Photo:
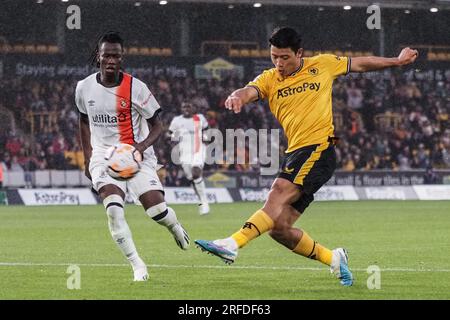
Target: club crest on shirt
[123, 103]
[313, 71]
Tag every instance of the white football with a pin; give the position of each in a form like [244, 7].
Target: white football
[123, 161]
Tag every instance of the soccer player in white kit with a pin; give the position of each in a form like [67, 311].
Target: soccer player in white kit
[188, 128]
[116, 107]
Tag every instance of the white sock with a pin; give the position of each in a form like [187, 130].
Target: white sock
[119, 229]
[137, 263]
[229, 242]
[163, 215]
[199, 186]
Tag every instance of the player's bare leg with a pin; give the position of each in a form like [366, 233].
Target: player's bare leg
[261, 221]
[278, 217]
[113, 200]
[301, 243]
[156, 208]
[296, 239]
[199, 187]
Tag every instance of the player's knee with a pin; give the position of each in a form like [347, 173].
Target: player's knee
[274, 203]
[285, 187]
[280, 193]
[113, 205]
[116, 216]
[157, 212]
[150, 198]
[162, 214]
[110, 190]
[276, 190]
[273, 200]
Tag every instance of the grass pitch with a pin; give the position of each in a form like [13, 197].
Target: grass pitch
[408, 240]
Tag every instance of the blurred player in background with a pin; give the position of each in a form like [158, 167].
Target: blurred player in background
[299, 93]
[189, 129]
[116, 107]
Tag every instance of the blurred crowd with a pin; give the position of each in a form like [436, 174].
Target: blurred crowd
[383, 122]
[395, 123]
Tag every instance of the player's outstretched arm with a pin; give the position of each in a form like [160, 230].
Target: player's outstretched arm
[241, 97]
[85, 137]
[364, 64]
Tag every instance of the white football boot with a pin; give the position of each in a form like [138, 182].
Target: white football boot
[203, 208]
[339, 266]
[226, 249]
[180, 235]
[140, 271]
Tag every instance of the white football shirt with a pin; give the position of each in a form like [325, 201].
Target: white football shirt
[118, 114]
[190, 134]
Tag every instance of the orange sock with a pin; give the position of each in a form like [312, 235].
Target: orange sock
[309, 248]
[256, 225]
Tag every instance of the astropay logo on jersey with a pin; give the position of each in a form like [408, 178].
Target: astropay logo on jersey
[286, 92]
[102, 120]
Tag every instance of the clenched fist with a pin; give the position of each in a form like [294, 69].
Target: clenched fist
[407, 56]
[234, 103]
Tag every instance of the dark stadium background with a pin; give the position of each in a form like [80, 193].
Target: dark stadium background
[395, 121]
[395, 145]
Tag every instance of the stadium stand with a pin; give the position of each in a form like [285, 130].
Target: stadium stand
[383, 123]
[386, 121]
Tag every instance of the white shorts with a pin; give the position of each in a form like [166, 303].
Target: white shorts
[145, 180]
[194, 159]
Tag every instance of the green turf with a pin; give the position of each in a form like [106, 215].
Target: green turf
[408, 240]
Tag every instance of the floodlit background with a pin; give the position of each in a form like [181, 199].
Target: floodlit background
[393, 125]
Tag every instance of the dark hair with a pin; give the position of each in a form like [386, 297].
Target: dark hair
[189, 103]
[286, 37]
[110, 37]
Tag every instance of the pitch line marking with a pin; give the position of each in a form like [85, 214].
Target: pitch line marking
[48, 264]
